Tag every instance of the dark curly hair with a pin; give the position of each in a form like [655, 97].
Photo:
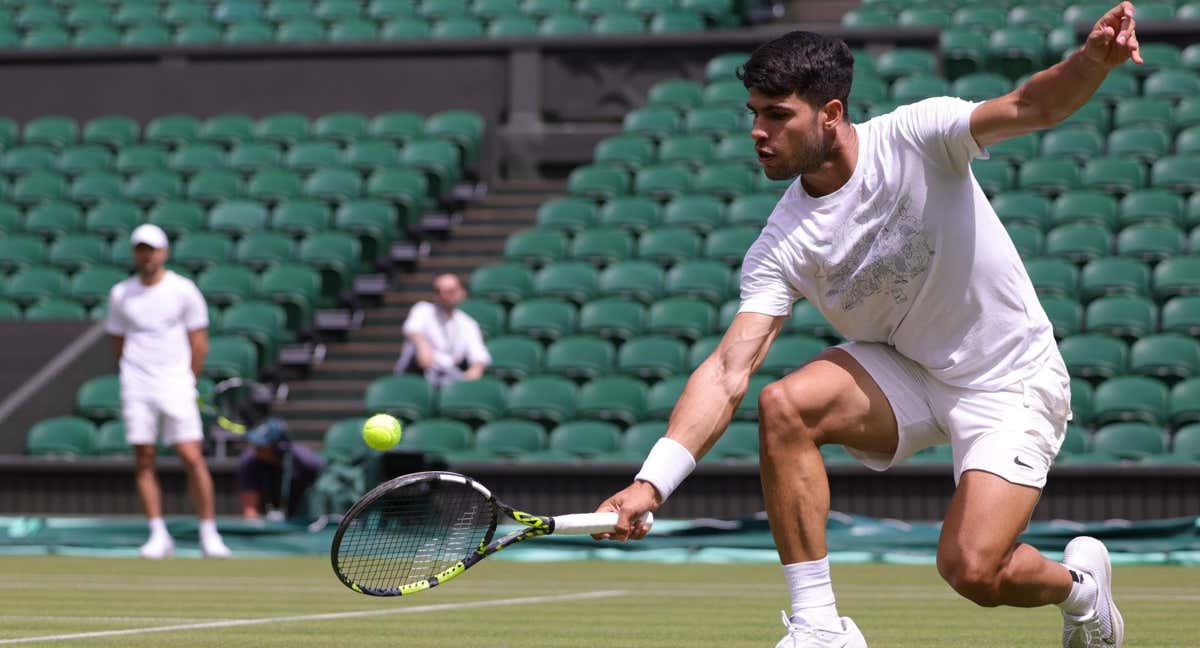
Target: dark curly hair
[817, 68]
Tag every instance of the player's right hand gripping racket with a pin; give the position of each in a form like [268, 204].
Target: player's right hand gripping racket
[421, 530]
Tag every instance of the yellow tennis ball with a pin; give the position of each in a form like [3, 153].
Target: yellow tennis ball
[381, 432]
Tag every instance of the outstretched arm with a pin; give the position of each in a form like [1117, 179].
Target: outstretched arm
[1053, 94]
[709, 399]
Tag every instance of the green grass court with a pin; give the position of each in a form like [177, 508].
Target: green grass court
[291, 602]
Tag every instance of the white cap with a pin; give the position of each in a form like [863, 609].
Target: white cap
[151, 235]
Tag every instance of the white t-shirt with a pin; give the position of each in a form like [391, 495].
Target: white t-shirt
[908, 252]
[453, 338]
[155, 321]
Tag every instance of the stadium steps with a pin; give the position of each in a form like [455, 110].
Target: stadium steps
[335, 388]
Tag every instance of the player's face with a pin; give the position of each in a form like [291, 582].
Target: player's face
[448, 292]
[789, 136]
[148, 260]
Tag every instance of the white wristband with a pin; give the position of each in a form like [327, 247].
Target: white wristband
[667, 465]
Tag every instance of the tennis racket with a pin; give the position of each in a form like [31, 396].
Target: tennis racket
[418, 531]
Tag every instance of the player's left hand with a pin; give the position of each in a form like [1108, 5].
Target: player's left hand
[1113, 40]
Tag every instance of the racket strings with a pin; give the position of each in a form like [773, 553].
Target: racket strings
[414, 532]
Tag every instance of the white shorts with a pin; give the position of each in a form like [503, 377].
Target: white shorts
[179, 418]
[1014, 432]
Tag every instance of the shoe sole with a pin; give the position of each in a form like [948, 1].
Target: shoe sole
[1118, 621]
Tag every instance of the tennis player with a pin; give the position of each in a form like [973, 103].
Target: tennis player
[888, 234]
[159, 327]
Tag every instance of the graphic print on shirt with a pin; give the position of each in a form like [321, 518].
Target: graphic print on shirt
[887, 262]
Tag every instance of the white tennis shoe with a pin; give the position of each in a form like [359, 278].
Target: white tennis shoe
[157, 547]
[1102, 626]
[802, 635]
[214, 547]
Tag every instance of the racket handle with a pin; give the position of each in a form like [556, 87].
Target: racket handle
[589, 523]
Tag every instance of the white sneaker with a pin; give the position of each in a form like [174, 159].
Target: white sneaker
[214, 547]
[157, 547]
[1102, 626]
[802, 635]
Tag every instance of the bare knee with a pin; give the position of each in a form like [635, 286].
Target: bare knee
[977, 577]
[781, 420]
[143, 460]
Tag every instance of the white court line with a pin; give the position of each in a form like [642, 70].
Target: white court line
[102, 619]
[440, 607]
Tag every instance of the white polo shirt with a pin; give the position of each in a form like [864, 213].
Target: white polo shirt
[909, 253]
[454, 338]
[155, 321]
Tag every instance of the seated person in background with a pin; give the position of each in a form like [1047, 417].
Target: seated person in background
[275, 472]
[443, 342]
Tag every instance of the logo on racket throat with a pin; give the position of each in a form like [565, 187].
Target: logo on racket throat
[534, 521]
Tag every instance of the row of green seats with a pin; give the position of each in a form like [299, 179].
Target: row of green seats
[1135, 398]
[1095, 356]
[699, 212]
[229, 130]
[601, 246]
[578, 281]
[1115, 276]
[665, 182]
[1085, 206]
[888, 13]
[1111, 174]
[1123, 316]
[1083, 241]
[617, 319]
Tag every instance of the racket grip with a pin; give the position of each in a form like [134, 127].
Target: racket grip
[589, 523]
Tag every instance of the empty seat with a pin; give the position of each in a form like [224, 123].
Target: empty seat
[580, 357]
[1168, 355]
[535, 247]
[602, 246]
[405, 396]
[633, 213]
[489, 315]
[1124, 316]
[574, 281]
[65, 435]
[616, 398]
[543, 319]
[508, 283]
[688, 319]
[1183, 406]
[1114, 276]
[614, 319]
[549, 400]
[473, 400]
[790, 352]
[437, 436]
[1130, 398]
[661, 398]
[668, 245]
[231, 357]
[510, 438]
[638, 280]
[652, 356]
[1130, 441]
[1177, 276]
[99, 398]
[1094, 356]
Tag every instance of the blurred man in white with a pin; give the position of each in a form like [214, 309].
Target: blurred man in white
[443, 342]
[159, 326]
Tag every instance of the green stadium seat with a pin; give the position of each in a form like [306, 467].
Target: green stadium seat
[404, 396]
[110, 440]
[19, 251]
[282, 128]
[707, 280]
[337, 256]
[701, 350]
[633, 213]
[489, 315]
[618, 23]
[229, 130]
[1016, 51]
[693, 150]
[1172, 84]
[510, 438]
[1028, 239]
[980, 86]
[867, 18]
[1151, 206]
[1176, 173]
[405, 29]
[663, 182]
[1130, 441]
[1053, 277]
[343, 441]
[177, 217]
[564, 25]
[230, 357]
[90, 286]
[725, 180]
[1065, 314]
[263, 323]
[1183, 407]
[1079, 242]
[199, 250]
[661, 398]
[10, 218]
[223, 285]
[479, 400]
[72, 252]
[1044, 18]
[367, 155]
[790, 352]
[154, 186]
[1114, 276]
[353, 30]
[1130, 398]
[1182, 315]
[436, 436]
[197, 33]
[1016, 150]
[56, 309]
[1177, 276]
[699, 212]
[406, 188]
[724, 66]
[543, 319]
[53, 219]
[752, 210]
[630, 151]
[1186, 443]
[333, 185]
[727, 313]
[580, 440]
[994, 176]
[686, 319]
[38, 186]
[84, 158]
[1187, 114]
[54, 131]
[668, 245]
[598, 182]
[807, 320]
[680, 94]
[397, 126]
[1124, 316]
[923, 17]
[903, 61]
[135, 159]
[602, 246]
[249, 32]
[747, 410]
[616, 320]
[46, 37]
[64, 435]
[1075, 144]
[95, 186]
[1142, 143]
[493, 9]
[656, 123]
[535, 247]
[1187, 142]
[1082, 395]
[548, 400]
[640, 280]
[1143, 111]
[21, 159]
[729, 245]
[514, 358]
[309, 156]
[33, 283]
[725, 94]
[1094, 356]
[1048, 175]
[575, 281]
[676, 21]
[716, 122]
[1114, 175]
[372, 223]
[915, 87]
[100, 399]
[652, 357]
[615, 399]
[1151, 242]
[964, 52]
[195, 157]
[296, 288]
[172, 130]
[545, 8]
[456, 27]
[1168, 356]
[237, 218]
[579, 357]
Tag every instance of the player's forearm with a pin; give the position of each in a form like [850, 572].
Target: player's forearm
[475, 371]
[1058, 91]
[707, 404]
[199, 352]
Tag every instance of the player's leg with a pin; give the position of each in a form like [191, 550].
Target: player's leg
[141, 432]
[182, 427]
[832, 399]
